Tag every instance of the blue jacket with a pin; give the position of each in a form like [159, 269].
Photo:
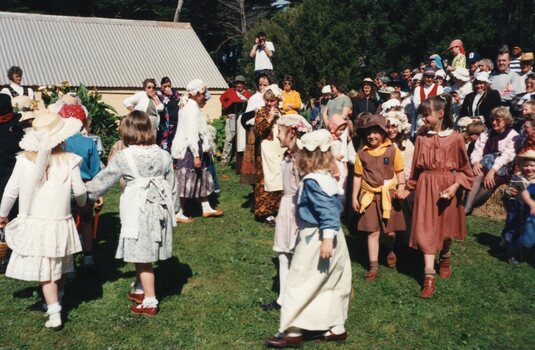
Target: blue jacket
[87, 149]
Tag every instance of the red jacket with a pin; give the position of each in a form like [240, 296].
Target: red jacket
[230, 97]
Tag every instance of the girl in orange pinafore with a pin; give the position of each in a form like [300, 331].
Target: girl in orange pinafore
[378, 186]
[440, 169]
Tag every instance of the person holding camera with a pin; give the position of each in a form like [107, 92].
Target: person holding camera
[262, 52]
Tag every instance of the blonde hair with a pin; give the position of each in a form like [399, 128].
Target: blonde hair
[503, 113]
[136, 129]
[316, 160]
[270, 95]
[56, 151]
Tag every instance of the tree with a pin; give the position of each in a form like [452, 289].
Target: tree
[178, 10]
[318, 41]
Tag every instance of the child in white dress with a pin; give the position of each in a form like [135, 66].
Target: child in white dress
[290, 127]
[43, 237]
[147, 205]
[318, 286]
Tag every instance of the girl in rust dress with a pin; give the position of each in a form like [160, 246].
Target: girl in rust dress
[440, 170]
[378, 187]
[266, 202]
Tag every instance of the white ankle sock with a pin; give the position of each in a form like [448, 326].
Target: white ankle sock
[53, 308]
[206, 207]
[336, 330]
[180, 215]
[152, 301]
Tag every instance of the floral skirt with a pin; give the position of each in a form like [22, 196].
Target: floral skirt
[194, 183]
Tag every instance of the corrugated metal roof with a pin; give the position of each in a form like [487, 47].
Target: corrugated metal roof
[103, 52]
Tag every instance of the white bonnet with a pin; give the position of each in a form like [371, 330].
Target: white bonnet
[399, 119]
[392, 103]
[195, 86]
[275, 89]
[319, 138]
[295, 121]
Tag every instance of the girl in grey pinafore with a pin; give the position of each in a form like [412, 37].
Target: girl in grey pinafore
[150, 170]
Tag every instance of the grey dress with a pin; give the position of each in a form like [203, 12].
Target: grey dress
[155, 218]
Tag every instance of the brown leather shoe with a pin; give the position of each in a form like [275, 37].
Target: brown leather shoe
[331, 337]
[429, 287]
[445, 267]
[186, 220]
[136, 297]
[286, 342]
[144, 310]
[391, 260]
[215, 213]
[370, 276]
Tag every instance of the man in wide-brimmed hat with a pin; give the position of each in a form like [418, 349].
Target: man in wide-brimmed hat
[234, 102]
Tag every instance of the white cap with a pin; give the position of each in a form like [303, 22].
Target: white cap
[461, 73]
[326, 89]
[483, 77]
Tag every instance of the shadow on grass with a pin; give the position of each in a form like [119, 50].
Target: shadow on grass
[193, 206]
[171, 276]
[493, 243]
[409, 261]
[88, 283]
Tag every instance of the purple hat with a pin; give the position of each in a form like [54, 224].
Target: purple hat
[429, 71]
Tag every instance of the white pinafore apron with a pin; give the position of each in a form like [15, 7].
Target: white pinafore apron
[134, 198]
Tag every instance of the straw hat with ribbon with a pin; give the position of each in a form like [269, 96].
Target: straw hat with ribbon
[48, 131]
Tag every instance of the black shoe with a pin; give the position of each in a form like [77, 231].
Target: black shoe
[271, 306]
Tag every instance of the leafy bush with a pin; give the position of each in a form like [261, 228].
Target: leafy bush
[104, 120]
[219, 125]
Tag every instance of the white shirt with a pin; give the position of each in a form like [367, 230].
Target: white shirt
[427, 90]
[140, 101]
[476, 101]
[262, 60]
[19, 89]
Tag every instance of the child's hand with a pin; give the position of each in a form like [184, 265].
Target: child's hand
[3, 221]
[326, 251]
[197, 163]
[340, 157]
[532, 209]
[400, 193]
[450, 192]
[99, 203]
[356, 204]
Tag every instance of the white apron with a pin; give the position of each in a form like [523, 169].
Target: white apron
[134, 197]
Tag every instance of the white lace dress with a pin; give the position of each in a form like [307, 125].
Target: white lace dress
[43, 237]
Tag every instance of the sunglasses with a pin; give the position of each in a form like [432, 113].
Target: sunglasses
[151, 87]
[286, 83]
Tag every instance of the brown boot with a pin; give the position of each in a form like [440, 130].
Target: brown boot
[445, 267]
[391, 260]
[429, 287]
[371, 274]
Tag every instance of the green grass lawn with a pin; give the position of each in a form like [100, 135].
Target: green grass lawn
[223, 270]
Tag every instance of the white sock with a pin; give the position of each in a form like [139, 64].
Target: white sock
[336, 330]
[180, 215]
[152, 301]
[206, 207]
[293, 332]
[53, 308]
[137, 288]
